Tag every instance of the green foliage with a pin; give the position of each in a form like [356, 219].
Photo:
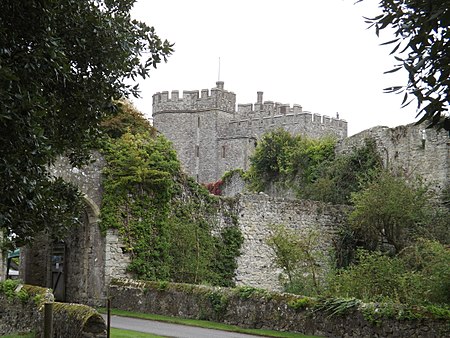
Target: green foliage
[164, 219]
[310, 167]
[337, 306]
[301, 303]
[138, 185]
[388, 209]
[61, 64]
[12, 289]
[228, 174]
[430, 262]
[421, 47]
[227, 248]
[377, 312]
[245, 292]
[300, 258]
[337, 179]
[418, 276]
[282, 157]
[127, 119]
[219, 302]
[373, 278]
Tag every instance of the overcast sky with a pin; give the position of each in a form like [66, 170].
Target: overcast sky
[316, 53]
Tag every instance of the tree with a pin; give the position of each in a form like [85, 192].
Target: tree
[62, 66]
[299, 256]
[127, 119]
[388, 209]
[422, 47]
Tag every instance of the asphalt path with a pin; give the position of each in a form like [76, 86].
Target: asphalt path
[171, 330]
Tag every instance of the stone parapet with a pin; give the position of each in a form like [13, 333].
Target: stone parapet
[218, 98]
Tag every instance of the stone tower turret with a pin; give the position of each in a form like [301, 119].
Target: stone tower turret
[192, 123]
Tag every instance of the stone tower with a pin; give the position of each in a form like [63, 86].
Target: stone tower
[212, 137]
[193, 124]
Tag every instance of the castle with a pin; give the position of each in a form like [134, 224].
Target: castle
[212, 137]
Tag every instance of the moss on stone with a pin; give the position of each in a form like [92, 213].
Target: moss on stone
[78, 312]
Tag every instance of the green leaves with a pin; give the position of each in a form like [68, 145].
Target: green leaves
[164, 220]
[61, 64]
[280, 156]
[422, 30]
[388, 209]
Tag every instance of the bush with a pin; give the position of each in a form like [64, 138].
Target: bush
[12, 289]
[281, 157]
[419, 275]
[388, 209]
[300, 257]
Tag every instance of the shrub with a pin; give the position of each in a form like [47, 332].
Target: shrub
[419, 275]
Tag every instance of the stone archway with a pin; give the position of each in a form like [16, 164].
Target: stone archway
[85, 251]
[84, 261]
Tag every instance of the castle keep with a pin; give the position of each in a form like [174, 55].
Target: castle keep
[212, 137]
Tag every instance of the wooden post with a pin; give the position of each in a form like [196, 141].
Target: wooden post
[48, 320]
[108, 318]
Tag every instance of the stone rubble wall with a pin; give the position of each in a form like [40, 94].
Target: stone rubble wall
[116, 261]
[233, 185]
[69, 320]
[22, 316]
[256, 212]
[410, 149]
[260, 310]
[77, 320]
[87, 178]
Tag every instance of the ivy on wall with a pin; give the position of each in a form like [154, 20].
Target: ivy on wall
[165, 219]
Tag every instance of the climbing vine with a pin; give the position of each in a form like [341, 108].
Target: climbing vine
[165, 219]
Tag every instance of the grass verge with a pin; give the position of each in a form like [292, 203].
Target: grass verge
[206, 324]
[119, 333]
[20, 335]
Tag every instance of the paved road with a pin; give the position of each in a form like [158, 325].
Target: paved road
[171, 330]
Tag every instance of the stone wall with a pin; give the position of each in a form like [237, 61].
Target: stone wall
[411, 149]
[87, 178]
[17, 315]
[85, 245]
[69, 320]
[234, 152]
[257, 211]
[116, 260]
[262, 310]
[304, 123]
[76, 320]
[233, 185]
[191, 101]
[84, 267]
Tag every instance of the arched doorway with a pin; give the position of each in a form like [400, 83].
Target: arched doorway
[74, 266]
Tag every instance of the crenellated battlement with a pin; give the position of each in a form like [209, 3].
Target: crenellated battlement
[268, 108]
[217, 98]
[296, 122]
